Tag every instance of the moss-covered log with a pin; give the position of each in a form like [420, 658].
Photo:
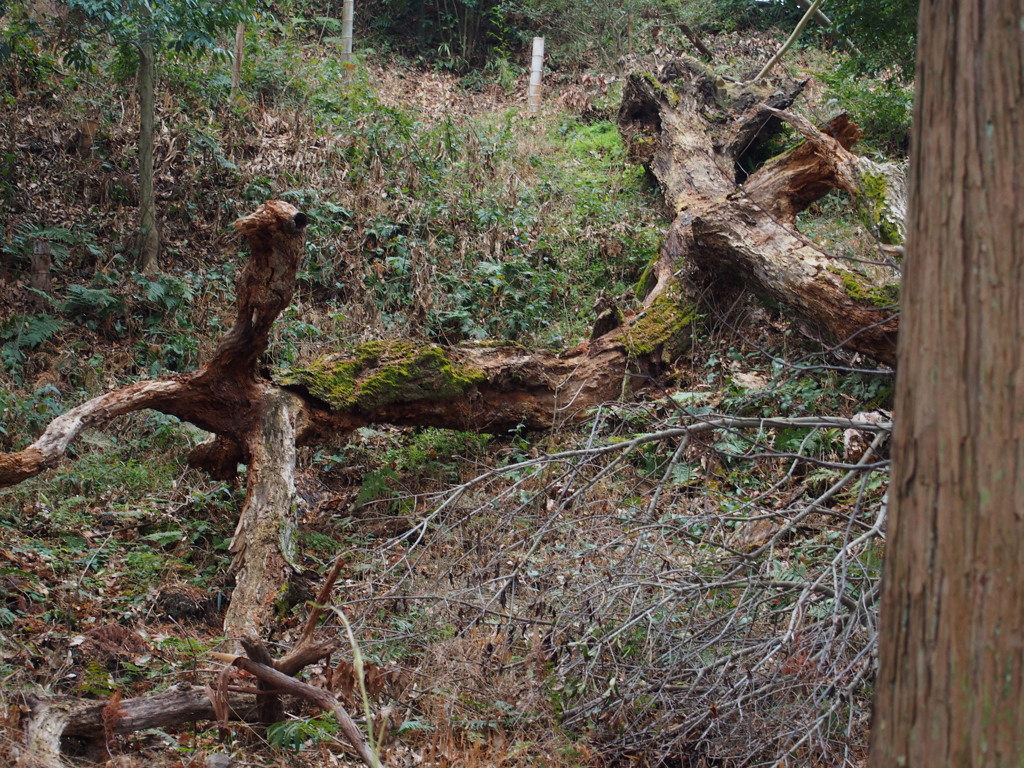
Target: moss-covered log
[480, 387]
[485, 387]
[698, 136]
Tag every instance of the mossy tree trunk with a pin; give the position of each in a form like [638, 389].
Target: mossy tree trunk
[697, 135]
[497, 387]
[489, 387]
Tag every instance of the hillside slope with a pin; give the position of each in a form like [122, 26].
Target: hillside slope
[617, 594]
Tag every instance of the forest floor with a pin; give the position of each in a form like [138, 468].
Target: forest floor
[517, 599]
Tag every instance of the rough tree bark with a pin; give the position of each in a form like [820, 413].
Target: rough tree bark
[149, 238]
[695, 134]
[950, 691]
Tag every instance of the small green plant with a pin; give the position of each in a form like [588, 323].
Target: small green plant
[61, 241]
[98, 308]
[429, 455]
[24, 333]
[302, 733]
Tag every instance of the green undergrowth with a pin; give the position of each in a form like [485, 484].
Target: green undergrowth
[457, 227]
[508, 600]
[102, 540]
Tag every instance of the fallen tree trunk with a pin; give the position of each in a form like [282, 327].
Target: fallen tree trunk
[48, 721]
[692, 143]
[696, 135]
[694, 152]
[259, 423]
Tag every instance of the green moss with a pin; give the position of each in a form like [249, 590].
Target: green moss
[875, 193]
[647, 279]
[601, 138]
[666, 91]
[887, 295]
[664, 326]
[383, 372]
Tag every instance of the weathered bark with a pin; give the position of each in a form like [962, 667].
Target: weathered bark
[48, 721]
[40, 262]
[149, 238]
[694, 134]
[264, 541]
[950, 690]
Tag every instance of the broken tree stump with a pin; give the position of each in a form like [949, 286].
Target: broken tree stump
[696, 133]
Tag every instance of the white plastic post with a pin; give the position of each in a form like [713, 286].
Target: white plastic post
[536, 67]
[347, 13]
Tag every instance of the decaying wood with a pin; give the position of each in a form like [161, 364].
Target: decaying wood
[535, 390]
[264, 546]
[306, 651]
[694, 132]
[258, 423]
[50, 720]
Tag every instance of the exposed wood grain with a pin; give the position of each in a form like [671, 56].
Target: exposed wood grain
[693, 133]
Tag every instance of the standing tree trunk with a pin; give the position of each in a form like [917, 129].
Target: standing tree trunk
[236, 64]
[950, 691]
[149, 239]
